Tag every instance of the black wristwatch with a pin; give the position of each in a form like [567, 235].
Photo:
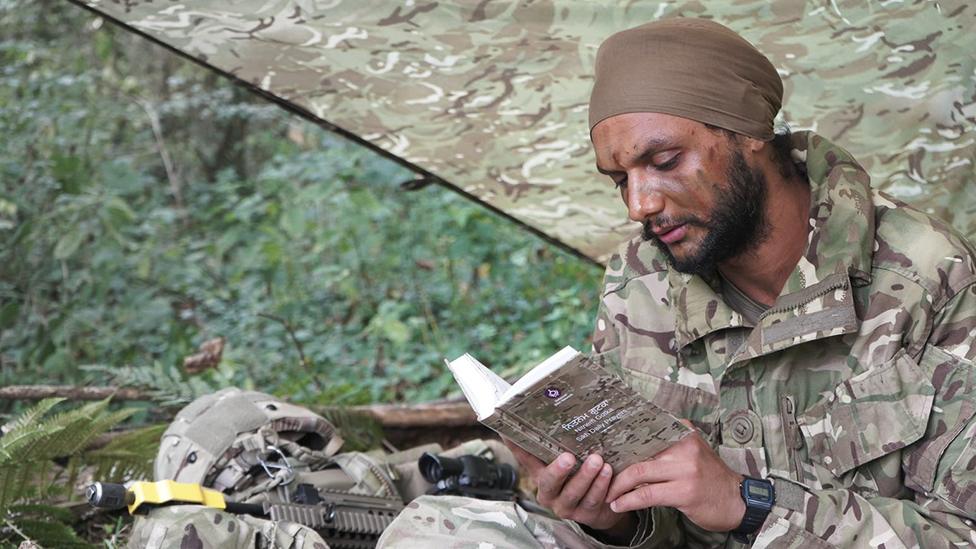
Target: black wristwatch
[759, 496]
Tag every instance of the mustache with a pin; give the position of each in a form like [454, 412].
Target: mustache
[648, 226]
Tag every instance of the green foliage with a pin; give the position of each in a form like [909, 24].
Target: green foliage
[110, 256]
[46, 525]
[41, 456]
[331, 284]
[166, 385]
[360, 432]
[128, 456]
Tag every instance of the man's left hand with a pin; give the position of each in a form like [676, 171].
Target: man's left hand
[688, 476]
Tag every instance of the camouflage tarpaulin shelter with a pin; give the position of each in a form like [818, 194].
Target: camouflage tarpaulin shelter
[489, 96]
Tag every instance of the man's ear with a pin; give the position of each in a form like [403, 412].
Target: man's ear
[756, 150]
[754, 145]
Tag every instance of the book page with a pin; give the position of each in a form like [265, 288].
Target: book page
[482, 387]
[542, 371]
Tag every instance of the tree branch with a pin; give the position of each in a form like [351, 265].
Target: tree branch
[175, 185]
[298, 345]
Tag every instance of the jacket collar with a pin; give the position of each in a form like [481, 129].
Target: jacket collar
[837, 257]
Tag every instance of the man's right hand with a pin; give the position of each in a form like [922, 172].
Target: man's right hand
[580, 497]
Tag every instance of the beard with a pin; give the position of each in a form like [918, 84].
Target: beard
[737, 223]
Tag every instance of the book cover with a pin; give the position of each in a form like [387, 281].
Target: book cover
[572, 404]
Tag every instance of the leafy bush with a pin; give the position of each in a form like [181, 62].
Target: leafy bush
[146, 205]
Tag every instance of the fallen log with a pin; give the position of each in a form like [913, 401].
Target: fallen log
[397, 416]
[38, 392]
[403, 425]
[405, 416]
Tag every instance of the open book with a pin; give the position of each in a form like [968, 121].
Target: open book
[569, 403]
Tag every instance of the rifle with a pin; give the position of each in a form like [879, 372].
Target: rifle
[344, 520]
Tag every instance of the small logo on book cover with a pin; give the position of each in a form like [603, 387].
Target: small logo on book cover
[552, 392]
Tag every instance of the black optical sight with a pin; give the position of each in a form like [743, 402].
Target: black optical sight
[470, 476]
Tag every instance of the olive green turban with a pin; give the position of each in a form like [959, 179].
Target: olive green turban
[693, 68]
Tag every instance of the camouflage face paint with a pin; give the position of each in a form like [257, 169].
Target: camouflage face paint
[736, 224]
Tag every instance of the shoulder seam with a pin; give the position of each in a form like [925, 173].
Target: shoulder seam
[913, 277]
[967, 283]
[904, 273]
[617, 286]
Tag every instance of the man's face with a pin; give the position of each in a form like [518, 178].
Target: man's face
[691, 187]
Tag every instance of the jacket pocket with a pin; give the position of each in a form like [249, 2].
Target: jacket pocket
[683, 401]
[943, 462]
[869, 415]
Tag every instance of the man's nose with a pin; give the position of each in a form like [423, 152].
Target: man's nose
[643, 201]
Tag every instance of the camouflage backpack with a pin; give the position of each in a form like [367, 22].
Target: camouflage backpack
[257, 448]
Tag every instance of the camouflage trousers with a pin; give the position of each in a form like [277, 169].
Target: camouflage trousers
[198, 527]
[448, 522]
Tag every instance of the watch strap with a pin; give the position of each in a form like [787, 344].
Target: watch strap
[753, 519]
[755, 515]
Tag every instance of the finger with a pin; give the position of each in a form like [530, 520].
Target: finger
[579, 484]
[550, 479]
[597, 494]
[661, 494]
[644, 472]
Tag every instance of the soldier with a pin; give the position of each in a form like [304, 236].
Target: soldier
[816, 333]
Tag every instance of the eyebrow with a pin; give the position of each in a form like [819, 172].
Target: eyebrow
[651, 147]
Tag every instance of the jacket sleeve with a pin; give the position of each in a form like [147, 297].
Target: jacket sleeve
[657, 527]
[938, 471]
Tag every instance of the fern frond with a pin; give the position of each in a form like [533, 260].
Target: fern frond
[12, 444]
[27, 429]
[96, 426]
[63, 434]
[129, 456]
[15, 485]
[27, 470]
[29, 416]
[361, 432]
[87, 410]
[166, 385]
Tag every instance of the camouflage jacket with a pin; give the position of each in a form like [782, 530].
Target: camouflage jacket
[856, 391]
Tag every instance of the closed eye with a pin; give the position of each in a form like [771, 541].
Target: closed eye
[668, 164]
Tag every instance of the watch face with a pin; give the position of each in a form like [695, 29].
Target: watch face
[759, 491]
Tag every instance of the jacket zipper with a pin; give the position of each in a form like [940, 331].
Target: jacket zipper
[842, 284]
[793, 435]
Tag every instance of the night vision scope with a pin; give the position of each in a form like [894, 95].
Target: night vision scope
[468, 475]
